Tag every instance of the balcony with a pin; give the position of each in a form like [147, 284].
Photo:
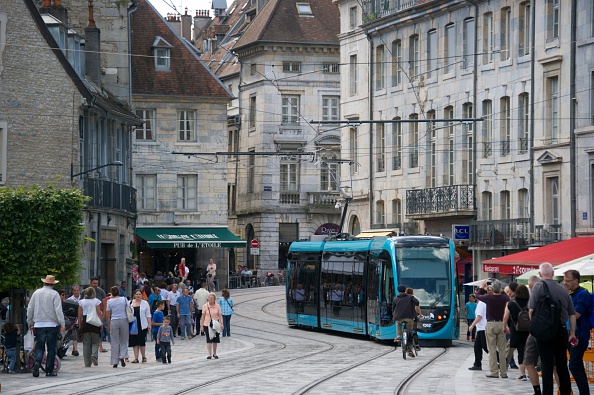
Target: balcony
[374, 9]
[322, 202]
[290, 198]
[510, 233]
[523, 144]
[449, 201]
[108, 194]
[546, 234]
[396, 162]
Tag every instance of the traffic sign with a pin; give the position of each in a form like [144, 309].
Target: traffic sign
[254, 251]
[255, 243]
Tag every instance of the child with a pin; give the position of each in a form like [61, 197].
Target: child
[165, 339]
[10, 339]
[157, 323]
[470, 316]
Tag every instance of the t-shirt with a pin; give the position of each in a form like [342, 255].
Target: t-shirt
[582, 303]
[10, 339]
[165, 334]
[558, 292]
[87, 303]
[183, 303]
[117, 306]
[471, 310]
[157, 319]
[481, 309]
[404, 306]
[172, 297]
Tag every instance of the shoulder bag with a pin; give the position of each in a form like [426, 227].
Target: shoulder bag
[92, 317]
[130, 312]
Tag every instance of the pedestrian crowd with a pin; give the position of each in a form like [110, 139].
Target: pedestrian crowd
[158, 310]
[544, 322]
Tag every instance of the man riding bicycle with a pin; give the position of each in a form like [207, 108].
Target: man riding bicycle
[405, 308]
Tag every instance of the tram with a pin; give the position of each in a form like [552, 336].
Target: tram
[348, 285]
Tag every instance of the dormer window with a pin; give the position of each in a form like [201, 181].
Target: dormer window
[162, 53]
[304, 9]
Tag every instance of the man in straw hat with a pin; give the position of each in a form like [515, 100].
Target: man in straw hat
[45, 316]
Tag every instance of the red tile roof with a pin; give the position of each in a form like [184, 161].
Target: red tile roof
[187, 76]
[279, 21]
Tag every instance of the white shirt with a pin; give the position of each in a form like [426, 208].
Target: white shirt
[164, 293]
[172, 297]
[87, 303]
[481, 310]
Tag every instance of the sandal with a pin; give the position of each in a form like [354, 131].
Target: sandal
[143, 360]
[135, 361]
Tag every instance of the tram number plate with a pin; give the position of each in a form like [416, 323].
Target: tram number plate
[426, 325]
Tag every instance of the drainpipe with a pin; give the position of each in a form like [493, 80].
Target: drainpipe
[371, 167]
[132, 9]
[532, 94]
[572, 114]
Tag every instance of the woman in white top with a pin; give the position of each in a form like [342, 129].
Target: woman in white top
[211, 272]
[90, 334]
[117, 324]
[142, 312]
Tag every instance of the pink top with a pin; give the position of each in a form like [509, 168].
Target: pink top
[206, 313]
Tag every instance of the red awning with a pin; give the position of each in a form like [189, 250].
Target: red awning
[555, 254]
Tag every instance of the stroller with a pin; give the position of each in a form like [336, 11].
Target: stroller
[65, 339]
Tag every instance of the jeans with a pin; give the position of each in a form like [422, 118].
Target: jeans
[226, 325]
[185, 321]
[173, 316]
[554, 354]
[157, 346]
[43, 337]
[576, 366]
[166, 352]
[11, 353]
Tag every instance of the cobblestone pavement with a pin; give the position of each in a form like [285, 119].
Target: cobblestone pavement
[265, 356]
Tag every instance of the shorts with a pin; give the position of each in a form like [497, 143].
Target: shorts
[531, 351]
[215, 339]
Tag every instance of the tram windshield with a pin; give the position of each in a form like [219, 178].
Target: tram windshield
[427, 271]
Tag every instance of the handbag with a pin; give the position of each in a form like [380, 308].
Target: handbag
[92, 317]
[134, 328]
[130, 313]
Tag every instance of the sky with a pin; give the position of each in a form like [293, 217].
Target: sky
[165, 6]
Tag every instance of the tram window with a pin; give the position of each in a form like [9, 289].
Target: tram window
[302, 294]
[342, 286]
[427, 271]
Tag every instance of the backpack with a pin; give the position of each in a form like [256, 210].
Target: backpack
[523, 319]
[546, 317]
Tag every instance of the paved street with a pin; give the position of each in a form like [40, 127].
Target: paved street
[265, 356]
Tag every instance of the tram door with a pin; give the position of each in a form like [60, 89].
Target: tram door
[372, 296]
[342, 302]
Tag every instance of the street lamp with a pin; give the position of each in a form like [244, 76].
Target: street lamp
[97, 263]
[116, 163]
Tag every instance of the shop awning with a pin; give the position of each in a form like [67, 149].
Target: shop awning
[556, 254]
[189, 237]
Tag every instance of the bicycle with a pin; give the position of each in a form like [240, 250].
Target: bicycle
[409, 342]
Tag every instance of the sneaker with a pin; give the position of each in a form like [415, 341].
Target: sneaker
[503, 376]
[95, 361]
[36, 369]
[492, 376]
[183, 338]
[411, 354]
[75, 353]
[417, 348]
[11, 372]
[51, 374]
[475, 368]
[523, 378]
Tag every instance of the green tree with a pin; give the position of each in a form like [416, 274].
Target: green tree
[40, 234]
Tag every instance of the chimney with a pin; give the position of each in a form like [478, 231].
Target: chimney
[186, 26]
[93, 49]
[56, 10]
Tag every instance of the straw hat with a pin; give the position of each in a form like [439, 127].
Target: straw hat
[49, 279]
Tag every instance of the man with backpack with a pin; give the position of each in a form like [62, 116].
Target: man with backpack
[582, 303]
[550, 308]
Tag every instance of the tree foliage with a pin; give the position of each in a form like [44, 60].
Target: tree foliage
[40, 234]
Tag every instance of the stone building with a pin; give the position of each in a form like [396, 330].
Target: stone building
[466, 119]
[283, 68]
[59, 124]
[180, 161]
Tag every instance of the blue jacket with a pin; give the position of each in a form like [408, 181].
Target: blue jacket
[582, 303]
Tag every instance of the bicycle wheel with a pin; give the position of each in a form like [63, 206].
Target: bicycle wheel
[404, 344]
[57, 364]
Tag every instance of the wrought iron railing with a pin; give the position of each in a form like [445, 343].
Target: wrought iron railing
[381, 164]
[440, 199]
[396, 162]
[503, 232]
[545, 234]
[374, 9]
[523, 144]
[505, 148]
[487, 149]
[414, 159]
[109, 194]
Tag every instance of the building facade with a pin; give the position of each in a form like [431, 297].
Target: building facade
[466, 120]
[180, 167]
